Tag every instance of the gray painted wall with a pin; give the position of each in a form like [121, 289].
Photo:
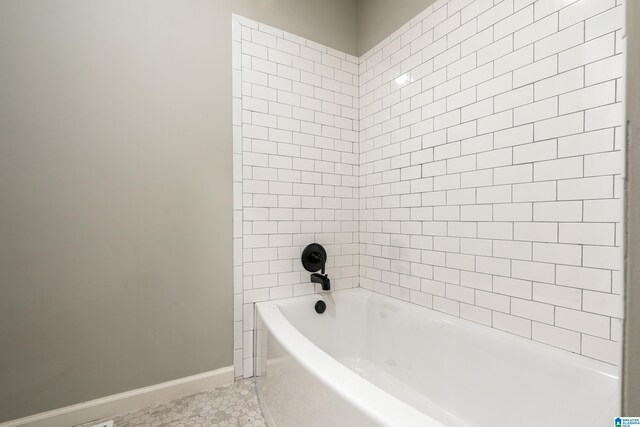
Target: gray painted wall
[631, 367]
[115, 189]
[379, 18]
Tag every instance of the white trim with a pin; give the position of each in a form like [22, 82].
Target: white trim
[125, 402]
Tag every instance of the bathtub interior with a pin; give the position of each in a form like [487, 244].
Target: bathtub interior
[454, 370]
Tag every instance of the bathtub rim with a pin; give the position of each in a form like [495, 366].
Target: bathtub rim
[608, 369]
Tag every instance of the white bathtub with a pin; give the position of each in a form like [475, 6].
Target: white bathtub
[373, 360]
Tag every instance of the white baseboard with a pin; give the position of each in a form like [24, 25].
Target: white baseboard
[125, 402]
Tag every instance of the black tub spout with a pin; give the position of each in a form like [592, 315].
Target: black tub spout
[323, 279]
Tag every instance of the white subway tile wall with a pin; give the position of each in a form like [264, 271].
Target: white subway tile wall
[491, 167]
[296, 117]
[471, 163]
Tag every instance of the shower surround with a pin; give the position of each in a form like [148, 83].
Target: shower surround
[295, 169]
[471, 163]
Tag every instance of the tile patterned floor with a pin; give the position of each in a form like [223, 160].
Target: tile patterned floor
[233, 405]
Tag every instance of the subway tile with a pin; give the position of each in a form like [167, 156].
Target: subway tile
[536, 71]
[476, 110]
[475, 8]
[514, 22]
[496, 266]
[535, 232]
[534, 192]
[512, 287]
[512, 249]
[560, 126]
[475, 246]
[456, 5]
[558, 295]
[603, 117]
[493, 301]
[603, 210]
[558, 84]
[461, 164]
[446, 26]
[557, 42]
[476, 212]
[513, 136]
[587, 233]
[586, 188]
[495, 122]
[461, 229]
[580, 321]
[461, 197]
[536, 31]
[536, 111]
[558, 211]
[610, 163]
[608, 257]
[602, 303]
[601, 349]
[584, 278]
[519, 4]
[432, 287]
[557, 253]
[461, 33]
[472, 179]
[446, 120]
[495, 158]
[589, 97]
[514, 61]
[446, 306]
[514, 98]
[476, 314]
[462, 66]
[602, 23]
[603, 70]
[512, 324]
[581, 10]
[513, 174]
[471, 279]
[494, 194]
[477, 75]
[477, 144]
[495, 230]
[536, 271]
[512, 212]
[533, 310]
[547, 7]
[497, 13]
[557, 337]
[494, 86]
[586, 143]
[571, 167]
[459, 293]
[495, 50]
[586, 53]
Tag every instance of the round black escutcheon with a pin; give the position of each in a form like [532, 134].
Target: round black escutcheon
[313, 256]
[320, 307]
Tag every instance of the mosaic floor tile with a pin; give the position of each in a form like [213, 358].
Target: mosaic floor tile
[233, 405]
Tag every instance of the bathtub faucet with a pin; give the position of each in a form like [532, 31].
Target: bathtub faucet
[323, 279]
[318, 259]
[314, 258]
